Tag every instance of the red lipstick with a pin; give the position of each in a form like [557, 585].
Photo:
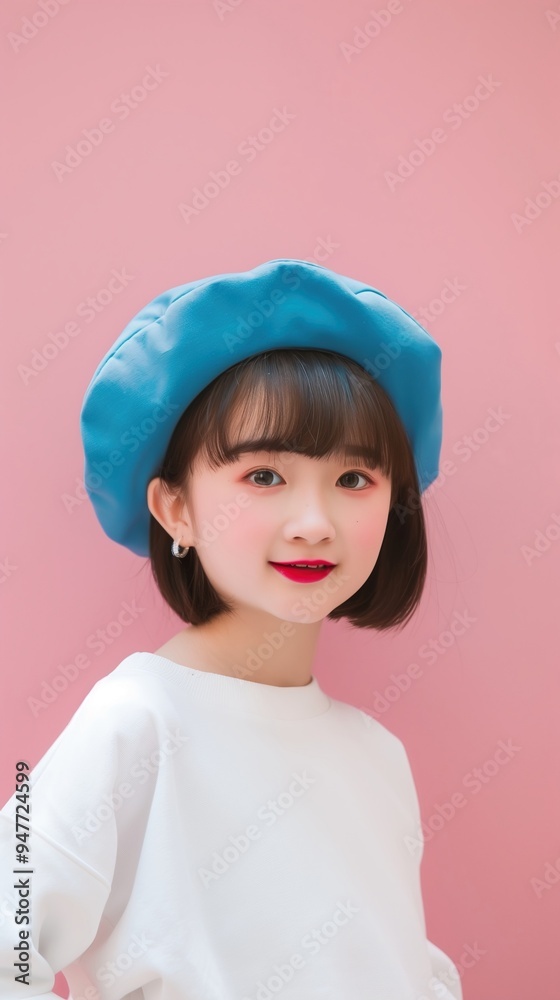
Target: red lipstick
[320, 569]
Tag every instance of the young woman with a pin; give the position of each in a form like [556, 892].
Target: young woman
[211, 825]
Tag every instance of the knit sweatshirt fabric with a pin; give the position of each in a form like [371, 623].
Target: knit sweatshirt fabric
[194, 836]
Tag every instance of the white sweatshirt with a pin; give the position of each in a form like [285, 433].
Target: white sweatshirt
[202, 837]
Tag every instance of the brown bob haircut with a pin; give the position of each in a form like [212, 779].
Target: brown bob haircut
[310, 402]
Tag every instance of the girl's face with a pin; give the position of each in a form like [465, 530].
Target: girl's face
[285, 507]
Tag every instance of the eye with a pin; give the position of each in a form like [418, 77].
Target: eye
[367, 479]
[266, 472]
[269, 472]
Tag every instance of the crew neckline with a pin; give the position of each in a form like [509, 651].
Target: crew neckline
[234, 695]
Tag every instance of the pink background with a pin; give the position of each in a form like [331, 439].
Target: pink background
[462, 218]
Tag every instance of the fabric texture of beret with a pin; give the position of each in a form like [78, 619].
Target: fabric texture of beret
[187, 336]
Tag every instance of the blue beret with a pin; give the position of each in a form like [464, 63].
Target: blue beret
[187, 336]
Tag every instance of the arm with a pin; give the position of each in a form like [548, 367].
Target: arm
[446, 981]
[54, 924]
[56, 910]
[447, 984]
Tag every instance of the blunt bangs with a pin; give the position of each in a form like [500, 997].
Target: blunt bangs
[278, 404]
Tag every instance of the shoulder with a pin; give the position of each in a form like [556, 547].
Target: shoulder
[122, 714]
[120, 699]
[368, 729]
[382, 747]
[119, 721]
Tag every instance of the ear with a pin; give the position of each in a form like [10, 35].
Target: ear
[169, 510]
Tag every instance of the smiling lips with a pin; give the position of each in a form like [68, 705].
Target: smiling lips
[305, 562]
[300, 574]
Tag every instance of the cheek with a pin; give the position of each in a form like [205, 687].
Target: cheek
[231, 528]
[370, 532]
[246, 532]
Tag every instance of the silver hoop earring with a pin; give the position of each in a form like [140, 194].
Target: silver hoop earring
[178, 551]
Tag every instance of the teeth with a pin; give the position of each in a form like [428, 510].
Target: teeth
[307, 566]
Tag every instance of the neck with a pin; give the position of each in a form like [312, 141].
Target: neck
[254, 647]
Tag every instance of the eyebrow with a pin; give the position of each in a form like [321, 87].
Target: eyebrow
[266, 445]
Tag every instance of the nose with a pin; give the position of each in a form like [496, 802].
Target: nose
[310, 520]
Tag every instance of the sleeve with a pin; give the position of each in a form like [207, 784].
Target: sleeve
[58, 847]
[446, 981]
[51, 913]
